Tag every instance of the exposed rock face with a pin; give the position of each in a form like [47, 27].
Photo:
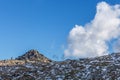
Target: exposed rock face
[11, 62]
[98, 68]
[33, 55]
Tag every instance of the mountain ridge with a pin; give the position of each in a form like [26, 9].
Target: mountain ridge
[99, 68]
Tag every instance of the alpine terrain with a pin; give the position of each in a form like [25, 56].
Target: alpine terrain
[34, 66]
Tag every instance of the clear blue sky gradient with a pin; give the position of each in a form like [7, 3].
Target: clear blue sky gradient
[41, 24]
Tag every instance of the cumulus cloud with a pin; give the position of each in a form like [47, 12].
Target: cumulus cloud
[91, 40]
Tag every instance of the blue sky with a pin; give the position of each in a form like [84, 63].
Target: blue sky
[41, 24]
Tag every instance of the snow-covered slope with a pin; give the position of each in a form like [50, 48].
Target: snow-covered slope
[98, 68]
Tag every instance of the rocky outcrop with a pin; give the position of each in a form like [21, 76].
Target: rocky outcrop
[33, 55]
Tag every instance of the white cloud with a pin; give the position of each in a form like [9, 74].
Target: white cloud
[90, 40]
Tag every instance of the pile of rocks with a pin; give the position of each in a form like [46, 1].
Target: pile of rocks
[33, 55]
